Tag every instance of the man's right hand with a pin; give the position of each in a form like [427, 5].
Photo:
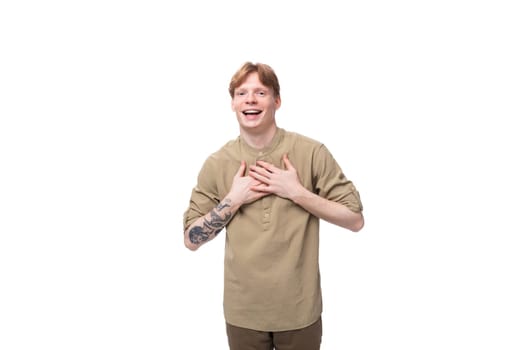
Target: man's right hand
[241, 191]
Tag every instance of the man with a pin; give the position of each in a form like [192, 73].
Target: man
[269, 188]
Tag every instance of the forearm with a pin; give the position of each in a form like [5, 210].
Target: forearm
[330, 211]
[208, 226]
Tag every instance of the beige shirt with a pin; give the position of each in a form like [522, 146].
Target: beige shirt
[271, 265]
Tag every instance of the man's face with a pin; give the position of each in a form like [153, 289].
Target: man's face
[255, 104]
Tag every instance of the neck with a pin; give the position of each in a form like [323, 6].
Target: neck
[259, 140]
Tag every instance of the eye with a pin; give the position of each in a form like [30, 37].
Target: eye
[241, 93]
[261, 93]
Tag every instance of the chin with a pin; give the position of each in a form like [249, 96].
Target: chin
[251, 123]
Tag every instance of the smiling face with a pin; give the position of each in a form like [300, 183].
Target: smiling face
[255, 105]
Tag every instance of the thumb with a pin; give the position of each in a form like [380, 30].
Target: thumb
[287, 162]
[242, 168]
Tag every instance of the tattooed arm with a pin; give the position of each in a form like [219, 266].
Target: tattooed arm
[208, 226]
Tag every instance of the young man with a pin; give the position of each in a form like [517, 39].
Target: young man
[269, 187]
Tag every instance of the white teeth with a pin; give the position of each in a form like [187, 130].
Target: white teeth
[252, 111]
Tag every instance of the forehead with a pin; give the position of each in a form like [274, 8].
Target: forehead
[252, 81]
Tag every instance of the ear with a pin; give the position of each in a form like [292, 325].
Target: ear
[233, 109]
[277, 102]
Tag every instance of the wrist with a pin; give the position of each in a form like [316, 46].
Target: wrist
[231, 202]
[301, 195]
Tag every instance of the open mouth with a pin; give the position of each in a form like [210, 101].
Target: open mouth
[252, 112]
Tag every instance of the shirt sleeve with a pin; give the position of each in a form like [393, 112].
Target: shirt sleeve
[331, 183]
[204, 196]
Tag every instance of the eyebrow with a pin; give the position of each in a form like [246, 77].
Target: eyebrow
[255, 89]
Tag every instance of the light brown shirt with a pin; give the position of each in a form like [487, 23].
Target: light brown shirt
[271, 265]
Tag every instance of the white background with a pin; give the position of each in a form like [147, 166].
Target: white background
[108, 109]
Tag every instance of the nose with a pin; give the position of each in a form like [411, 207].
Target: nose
[250, 98]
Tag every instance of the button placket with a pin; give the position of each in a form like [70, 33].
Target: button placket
[267, 200]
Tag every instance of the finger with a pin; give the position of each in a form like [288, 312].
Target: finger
[241, 170]
[259, 177]
[261, 188]
[260, 170]
[260, 194]
[268, 166]
[287, 162]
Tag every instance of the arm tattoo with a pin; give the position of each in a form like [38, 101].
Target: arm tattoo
[213, 223]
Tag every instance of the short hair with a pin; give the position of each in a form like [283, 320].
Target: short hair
[266, 74]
